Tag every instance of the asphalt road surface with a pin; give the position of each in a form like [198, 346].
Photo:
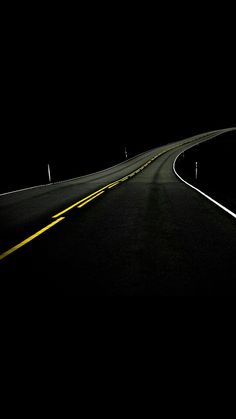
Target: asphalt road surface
[134, 229]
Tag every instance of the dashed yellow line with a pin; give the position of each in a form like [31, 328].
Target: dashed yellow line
[29, 239]
[86, 202]
[78, 203]
[114, 184]
[82, 203]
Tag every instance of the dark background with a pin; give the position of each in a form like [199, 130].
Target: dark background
[216, 168]
[80, 85]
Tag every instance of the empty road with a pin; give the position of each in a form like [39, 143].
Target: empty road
[134, 229]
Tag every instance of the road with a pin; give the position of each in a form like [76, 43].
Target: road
[134, 229]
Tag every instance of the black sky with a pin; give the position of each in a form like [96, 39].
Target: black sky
[85, 83]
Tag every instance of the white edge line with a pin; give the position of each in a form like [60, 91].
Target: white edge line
[26, 189]
[199, 191]
[80, 177]
[119, 164]
[83, 176]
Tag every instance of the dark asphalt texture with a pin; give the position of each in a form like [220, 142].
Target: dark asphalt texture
[151, 235]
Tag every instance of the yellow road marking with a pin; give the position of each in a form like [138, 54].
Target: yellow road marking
[114, 184]
[86, 202]
[110, 185]
[79, 202]
[29, 239]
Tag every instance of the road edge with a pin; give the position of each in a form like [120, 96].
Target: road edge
[196, 189]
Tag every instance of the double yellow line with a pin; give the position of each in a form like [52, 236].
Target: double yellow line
[58, 217]
[99, 192]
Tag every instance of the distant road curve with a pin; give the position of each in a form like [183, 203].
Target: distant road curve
[198, 190]
[134, 229]
[26, 209]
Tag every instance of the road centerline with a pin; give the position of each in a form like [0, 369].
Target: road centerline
[87, 199]
[29, 239]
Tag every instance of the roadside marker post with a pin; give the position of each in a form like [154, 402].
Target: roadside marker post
[49, 174]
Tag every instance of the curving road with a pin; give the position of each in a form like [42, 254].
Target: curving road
[134, 229]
